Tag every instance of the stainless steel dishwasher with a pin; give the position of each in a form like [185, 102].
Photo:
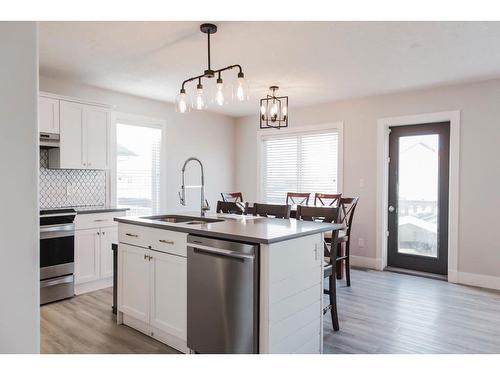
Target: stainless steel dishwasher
[222, 292]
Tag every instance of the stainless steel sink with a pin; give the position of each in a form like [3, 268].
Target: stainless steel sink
[191, 220]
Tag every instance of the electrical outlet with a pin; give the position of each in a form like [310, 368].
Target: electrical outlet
[69, 190]
[361, 182]
[361, 243]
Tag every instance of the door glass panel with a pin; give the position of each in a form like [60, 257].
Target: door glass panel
[418, 195]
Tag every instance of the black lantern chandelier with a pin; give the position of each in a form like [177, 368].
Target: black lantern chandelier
[274, 110]
[239, 92]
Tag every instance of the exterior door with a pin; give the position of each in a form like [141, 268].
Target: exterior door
[418, 197]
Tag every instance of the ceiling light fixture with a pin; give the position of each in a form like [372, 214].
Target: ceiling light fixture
[240, 88]
[274, 110]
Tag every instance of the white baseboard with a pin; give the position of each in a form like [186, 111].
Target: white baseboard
[364, 262]
[93, 285]
[475, 279]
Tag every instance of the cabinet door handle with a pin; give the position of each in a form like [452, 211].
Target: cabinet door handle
[150, 257]
[131, 235]
[145, 256]
[167, 242]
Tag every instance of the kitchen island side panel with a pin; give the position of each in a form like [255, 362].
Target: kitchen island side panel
[291, 289]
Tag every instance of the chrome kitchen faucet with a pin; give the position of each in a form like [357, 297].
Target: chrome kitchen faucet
[204, 206]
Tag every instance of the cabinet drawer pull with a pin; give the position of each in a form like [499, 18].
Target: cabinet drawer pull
[97, 220]
[167, 242]
[131, 235]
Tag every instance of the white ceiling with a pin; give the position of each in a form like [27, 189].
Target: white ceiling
[312, 62]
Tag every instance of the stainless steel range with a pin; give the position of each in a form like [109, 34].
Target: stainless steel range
[57, 254]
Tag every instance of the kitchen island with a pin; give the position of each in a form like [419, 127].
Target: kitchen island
[157, 262]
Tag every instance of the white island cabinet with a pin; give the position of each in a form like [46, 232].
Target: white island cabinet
[152, 283]
[152, 280]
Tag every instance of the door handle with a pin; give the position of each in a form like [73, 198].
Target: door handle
[131, 235]
[391, 208]
[167, 242]
[226, 253]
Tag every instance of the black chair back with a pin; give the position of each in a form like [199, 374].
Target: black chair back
[323, 214]
[279, 211]
[232, 197]
[230, 208]
[332, 200]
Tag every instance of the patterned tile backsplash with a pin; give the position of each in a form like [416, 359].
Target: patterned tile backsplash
[70, 187]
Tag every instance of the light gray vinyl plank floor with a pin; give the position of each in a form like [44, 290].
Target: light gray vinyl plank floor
[382, 312]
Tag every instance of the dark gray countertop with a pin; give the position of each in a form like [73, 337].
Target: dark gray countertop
[97, 210]
[241, 228]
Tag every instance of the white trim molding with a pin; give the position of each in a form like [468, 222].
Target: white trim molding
[365, 262]
[475, 279]
[336, 126]
[454, 182]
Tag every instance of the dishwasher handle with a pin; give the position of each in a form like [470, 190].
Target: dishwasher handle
[226, 253]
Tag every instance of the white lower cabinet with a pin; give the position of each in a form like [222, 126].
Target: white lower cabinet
[86, 255]
[152, 289]
[133, 288]
[94, 235]
[169, 293]
[108, 237]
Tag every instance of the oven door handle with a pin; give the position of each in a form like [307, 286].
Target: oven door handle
[54, 231]
[59, 280]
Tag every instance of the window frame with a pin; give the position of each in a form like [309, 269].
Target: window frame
[337, 127]
[147, 122]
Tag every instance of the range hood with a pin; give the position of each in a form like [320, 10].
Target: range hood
[49, 140]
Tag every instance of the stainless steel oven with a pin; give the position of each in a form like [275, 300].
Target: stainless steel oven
[57, 254]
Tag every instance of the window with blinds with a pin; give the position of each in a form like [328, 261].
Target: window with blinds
[302, 163]
[138, 163]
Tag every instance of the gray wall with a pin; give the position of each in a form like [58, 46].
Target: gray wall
[479, 248]
[19, 233]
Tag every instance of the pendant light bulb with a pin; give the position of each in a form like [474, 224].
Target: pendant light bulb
[200, 98]
[219, 92]
[274, 111]
[241, 89]
[284, 112]
[181, 102]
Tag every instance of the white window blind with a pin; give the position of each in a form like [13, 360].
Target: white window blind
[301, 162]
[138, 163]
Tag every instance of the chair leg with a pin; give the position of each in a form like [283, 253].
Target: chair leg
[347, 265]
[333, 301]
[338, 264]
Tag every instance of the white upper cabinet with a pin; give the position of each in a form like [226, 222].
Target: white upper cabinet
[72, 124]
[48, 115]
[97, 137]
[84, 133]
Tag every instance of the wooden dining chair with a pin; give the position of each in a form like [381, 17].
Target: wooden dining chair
[326, 215]
[347, 207]
[230, 208]
[332, 200]
[297, 198]
[232, 197]
[278, 211]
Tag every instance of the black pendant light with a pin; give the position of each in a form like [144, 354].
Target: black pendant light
[240, 88]
[274, 110]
